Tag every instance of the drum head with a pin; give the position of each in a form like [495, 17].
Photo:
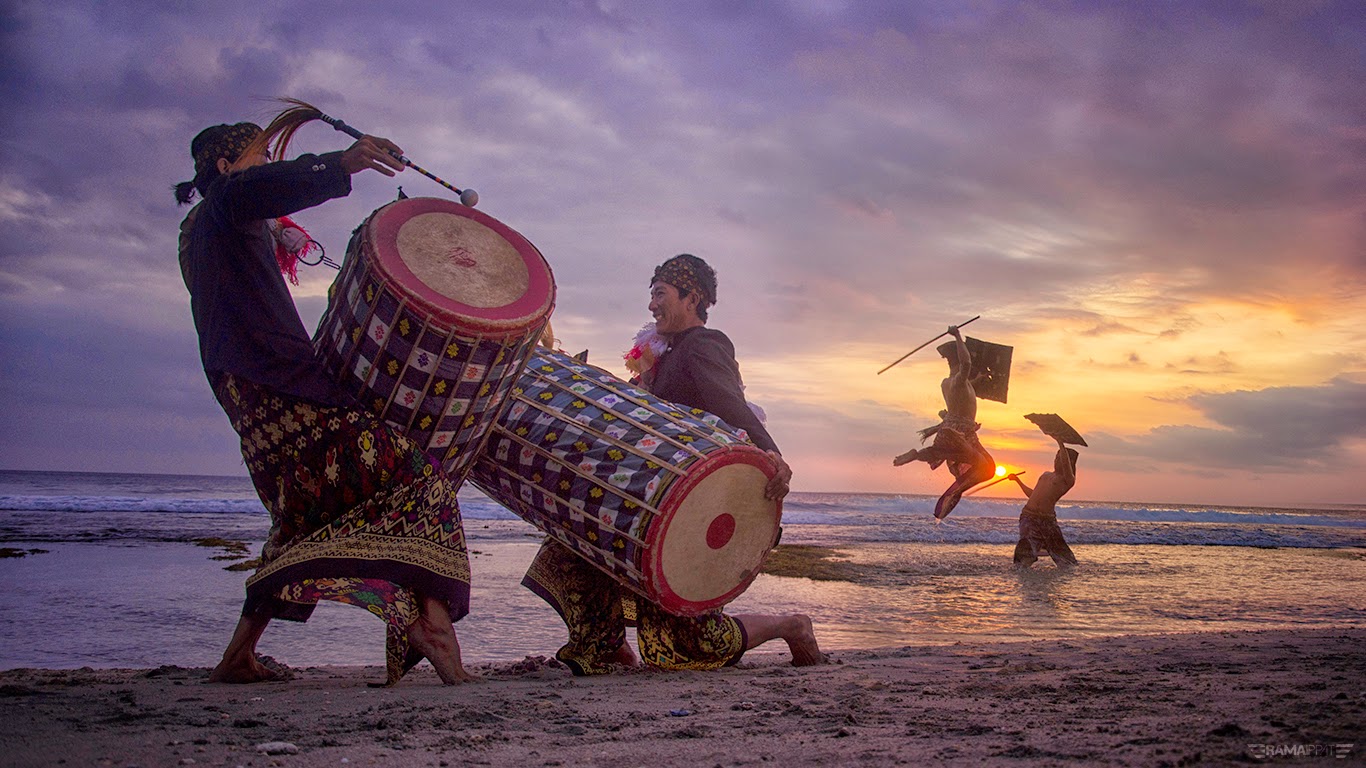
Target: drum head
[461, 266]
[719, 529]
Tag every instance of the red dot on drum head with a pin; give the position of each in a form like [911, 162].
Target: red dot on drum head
[720, 531]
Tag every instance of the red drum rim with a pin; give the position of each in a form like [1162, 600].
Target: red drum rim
[719, 531]
[516, 317]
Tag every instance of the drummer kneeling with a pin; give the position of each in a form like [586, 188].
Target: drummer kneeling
[697, 369]
[597, 610]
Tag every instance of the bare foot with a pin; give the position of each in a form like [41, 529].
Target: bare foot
[625, 656]
[433, 636]
[243, 670]
[239, 664]
[905, 458]
[794, 628]
[801, 640]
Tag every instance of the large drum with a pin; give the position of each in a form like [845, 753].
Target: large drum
[669, 501]
[432, 317]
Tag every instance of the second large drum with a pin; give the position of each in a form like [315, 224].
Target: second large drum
[430, 321]
[668, 500]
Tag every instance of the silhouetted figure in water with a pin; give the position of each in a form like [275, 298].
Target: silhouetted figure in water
[955, 438]
[1039, 532]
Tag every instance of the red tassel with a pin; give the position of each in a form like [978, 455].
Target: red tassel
[287, 259]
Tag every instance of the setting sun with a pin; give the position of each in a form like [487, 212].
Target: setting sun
[1000, 471]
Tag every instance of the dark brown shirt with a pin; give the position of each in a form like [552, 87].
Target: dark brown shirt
[699, 370]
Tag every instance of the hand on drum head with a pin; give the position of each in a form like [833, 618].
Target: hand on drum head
[372, 152]
[780, 484]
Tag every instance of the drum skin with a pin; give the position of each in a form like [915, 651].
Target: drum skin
[667, 500]
[433, 314]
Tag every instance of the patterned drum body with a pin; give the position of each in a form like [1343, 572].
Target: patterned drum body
[669, 501]
[432, 317]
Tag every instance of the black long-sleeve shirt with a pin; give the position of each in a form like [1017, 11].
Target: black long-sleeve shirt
[246, 319]
[699, 370]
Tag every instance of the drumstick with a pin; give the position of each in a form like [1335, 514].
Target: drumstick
[926, 344]
[993, 482]
[467, 196]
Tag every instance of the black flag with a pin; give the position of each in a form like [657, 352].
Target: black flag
[990, 368]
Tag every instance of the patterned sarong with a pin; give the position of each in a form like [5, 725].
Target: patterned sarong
[1040, 535]
[359, 514]
[955, 441]
[596, 610]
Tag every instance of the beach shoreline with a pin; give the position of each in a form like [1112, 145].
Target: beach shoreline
[1176, 699]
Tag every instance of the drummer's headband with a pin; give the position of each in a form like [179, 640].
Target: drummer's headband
[219, 141]
[688, 273]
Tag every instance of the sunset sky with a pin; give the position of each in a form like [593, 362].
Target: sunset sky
[1160, 205]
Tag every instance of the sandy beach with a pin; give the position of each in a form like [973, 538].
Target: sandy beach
[1250, 647]
[1208, 698]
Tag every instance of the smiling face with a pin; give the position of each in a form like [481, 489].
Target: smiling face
[673, 313]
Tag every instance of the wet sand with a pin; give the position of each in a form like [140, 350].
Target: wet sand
[1211, 698]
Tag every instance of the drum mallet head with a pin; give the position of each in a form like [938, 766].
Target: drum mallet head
[468, 197]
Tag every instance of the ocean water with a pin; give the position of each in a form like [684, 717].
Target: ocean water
[111, 575]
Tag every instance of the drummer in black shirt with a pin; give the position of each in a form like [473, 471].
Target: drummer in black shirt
[359, 513]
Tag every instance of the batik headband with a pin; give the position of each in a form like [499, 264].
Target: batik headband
[226, 141]
[688, 273]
